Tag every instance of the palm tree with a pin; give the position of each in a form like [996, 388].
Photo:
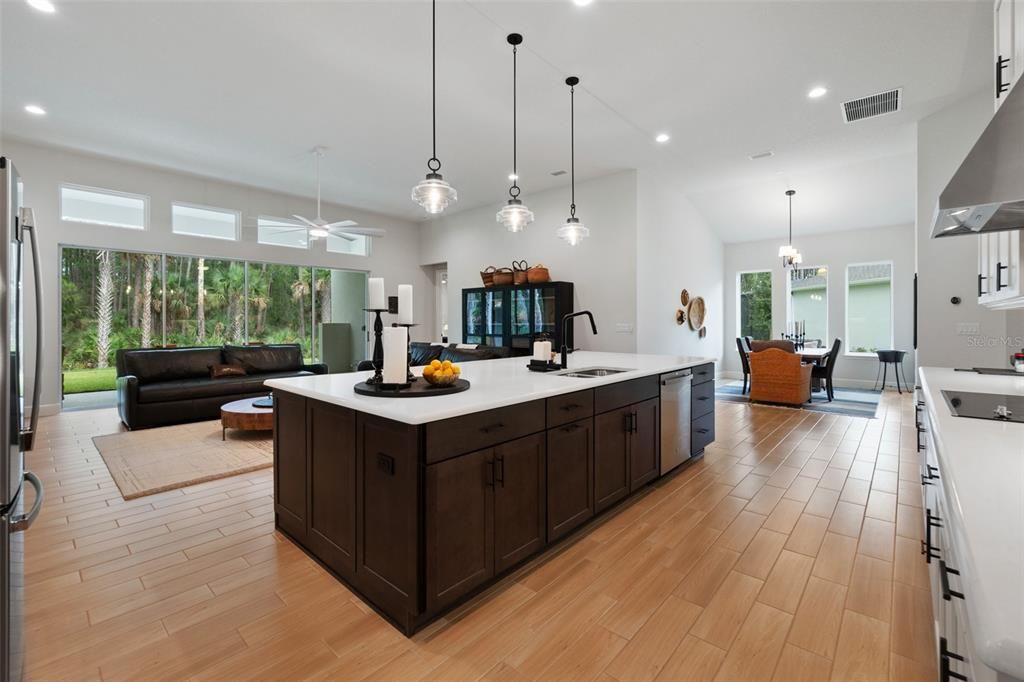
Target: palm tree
[300, 290]
[104, 308]
[146, 320]
[201, 302]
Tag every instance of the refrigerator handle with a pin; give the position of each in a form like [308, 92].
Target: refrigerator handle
[23, 521]
[27, 220]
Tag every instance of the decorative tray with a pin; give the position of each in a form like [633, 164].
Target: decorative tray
[417, 389]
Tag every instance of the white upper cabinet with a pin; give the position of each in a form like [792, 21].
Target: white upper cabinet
[1000, 256]
[1008, 20]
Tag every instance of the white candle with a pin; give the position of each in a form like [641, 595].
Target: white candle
[377, 299]
[395, 354]
[405, 315]
[542, 350]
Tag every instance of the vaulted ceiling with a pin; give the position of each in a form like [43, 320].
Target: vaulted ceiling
[243, 90]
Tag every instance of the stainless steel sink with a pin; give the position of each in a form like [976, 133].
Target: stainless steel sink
[591, 372]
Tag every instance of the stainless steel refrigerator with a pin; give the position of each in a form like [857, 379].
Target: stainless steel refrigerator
[16, 226]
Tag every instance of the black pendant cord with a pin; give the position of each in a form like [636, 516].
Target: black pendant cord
[433, 163]
[572, 151]
[514, 189]
[791, 220]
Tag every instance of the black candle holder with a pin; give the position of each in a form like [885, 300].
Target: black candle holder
[409, 377]
[378, 347]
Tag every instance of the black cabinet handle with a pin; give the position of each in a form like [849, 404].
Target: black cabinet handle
[981, 278]
[501, 470]
[944, 572]
[999, 276]
[704, 397]
[571, 406]
[571, 427]
[628, 424]
[633, 423]
[492, 427]
[489, 473]
[933, 472]
[1001, 86]
[925, 480]
[927, 548]
[945, 655]
[702, 431]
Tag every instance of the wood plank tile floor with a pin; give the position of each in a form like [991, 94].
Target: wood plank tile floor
[790, 552]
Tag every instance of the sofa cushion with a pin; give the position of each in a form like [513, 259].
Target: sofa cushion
[423, 353]
[167, 364]
[206, 387]
[285, 357]
[455, 354]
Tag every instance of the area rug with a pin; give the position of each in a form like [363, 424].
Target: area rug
[154, 460]
[853, 402]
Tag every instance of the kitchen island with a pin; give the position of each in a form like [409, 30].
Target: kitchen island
[417, 504]
[973, 479]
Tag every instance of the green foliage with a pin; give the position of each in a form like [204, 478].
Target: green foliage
[88, 380]
[756, 304]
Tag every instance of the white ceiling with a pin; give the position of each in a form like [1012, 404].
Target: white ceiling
[242, 90]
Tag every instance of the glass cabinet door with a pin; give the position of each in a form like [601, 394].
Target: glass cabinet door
[474, 313]
[544, 312]
[494, 318]
[521, 328]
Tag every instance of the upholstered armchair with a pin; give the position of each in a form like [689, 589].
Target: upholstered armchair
[779, 377]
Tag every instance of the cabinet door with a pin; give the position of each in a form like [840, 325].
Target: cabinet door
[1005, 45]
[545, 311]
[460, 539]
[473, 316]
[644, 442]
[494, 317]
[570, 477]
[520, 318]
[611, 456]
[519, 500]
[1009, 257]
[290, 463]
[983, 269]
[332, 486]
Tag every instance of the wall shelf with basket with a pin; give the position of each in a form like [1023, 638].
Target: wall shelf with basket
[513, 316]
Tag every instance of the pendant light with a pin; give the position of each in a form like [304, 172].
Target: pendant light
[433, 193]
[572, 231]
[789, 255]
[514, 215]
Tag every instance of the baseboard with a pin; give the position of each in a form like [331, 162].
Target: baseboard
[839, 382]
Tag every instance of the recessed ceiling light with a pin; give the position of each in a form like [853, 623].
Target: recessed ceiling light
[35, 110]
[43, 6]
[817, 91]
[582, 3]
[662, 137]
[513, 177]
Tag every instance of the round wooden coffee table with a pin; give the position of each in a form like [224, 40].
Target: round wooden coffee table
[242, 415]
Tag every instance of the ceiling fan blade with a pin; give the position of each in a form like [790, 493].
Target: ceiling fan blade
[341, 223]
[342, 235]
[365, 231]
[307, 221]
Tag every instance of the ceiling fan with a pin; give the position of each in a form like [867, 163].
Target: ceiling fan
[348, 230]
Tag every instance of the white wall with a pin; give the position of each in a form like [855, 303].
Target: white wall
[676, 250]
[394, 257]
[603, 267]
[949, 267]
[835, 251]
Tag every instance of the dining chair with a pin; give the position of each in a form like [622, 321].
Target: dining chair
[744, 349]
[826, 368]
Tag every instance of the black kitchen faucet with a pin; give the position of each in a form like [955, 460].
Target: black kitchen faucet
[565, 331]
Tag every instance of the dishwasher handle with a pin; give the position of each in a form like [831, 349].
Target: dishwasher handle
[676, 377]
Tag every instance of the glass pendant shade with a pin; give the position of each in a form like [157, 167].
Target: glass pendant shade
[434, 194]
[573, 231]
[785, 251]
[514, 216]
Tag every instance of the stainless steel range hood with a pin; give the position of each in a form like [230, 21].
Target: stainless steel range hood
[987, 192]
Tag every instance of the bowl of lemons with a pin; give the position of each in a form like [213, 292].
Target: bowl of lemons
[441, 373]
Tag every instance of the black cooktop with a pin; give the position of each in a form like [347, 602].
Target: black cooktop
[1006, 408]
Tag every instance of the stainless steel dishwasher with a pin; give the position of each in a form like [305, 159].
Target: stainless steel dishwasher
[675, 419]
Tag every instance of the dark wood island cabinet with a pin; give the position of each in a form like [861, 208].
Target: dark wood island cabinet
[418, 517]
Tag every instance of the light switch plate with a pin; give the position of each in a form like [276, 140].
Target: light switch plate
[967, 328]
[623, 328]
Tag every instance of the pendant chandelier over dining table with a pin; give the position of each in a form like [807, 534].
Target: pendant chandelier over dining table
[433, 193]
[791, 258]
[572, 230]
[514, 215]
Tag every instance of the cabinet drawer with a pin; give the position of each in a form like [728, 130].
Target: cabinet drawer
[458, 435]
[703, 373]
[563, 409]
[607, 398]
[702, 432]
[702, 400]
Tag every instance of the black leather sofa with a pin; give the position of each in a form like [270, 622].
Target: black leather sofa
[423, 353]
[161, 386]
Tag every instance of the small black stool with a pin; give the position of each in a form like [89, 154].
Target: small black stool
[894, 358]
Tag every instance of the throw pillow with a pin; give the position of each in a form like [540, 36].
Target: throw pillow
[218, 371]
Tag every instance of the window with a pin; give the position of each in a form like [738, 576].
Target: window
[356, 245]
[808, 302]
[204, 222]
[869, 308]
[103, 207]
[279, 232]
[754, 305]
[281, 304]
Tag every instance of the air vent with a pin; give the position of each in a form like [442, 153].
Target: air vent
[883, 103]
[761, 155]
[558, 172]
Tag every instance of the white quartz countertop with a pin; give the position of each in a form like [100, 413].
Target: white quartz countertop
[493, 383]
[981, 465]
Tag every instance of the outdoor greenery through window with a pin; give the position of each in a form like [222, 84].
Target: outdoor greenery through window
[808, 302]
[755, 304]
[103, 207]
[204, 222]
[112, 300]
[869, 307]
